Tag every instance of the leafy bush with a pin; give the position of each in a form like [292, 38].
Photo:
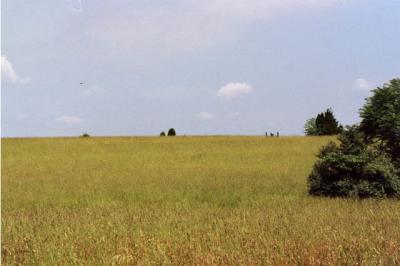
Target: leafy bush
[171, 132]
[353, 169]
[85, 135]
[162, 134]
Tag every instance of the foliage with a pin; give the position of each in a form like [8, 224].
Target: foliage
[367, 162]
[171, 132]
[381, 118]
[327, 124]
[353, 169]
[310, 127]
[162, 134]
[324, 124]
[85, 135]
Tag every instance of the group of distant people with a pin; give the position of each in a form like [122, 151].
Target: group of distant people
[272, 134]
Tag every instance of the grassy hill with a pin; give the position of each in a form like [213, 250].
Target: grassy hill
[182, 200]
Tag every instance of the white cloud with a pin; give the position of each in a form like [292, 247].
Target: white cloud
[362, 84]
[204, 116]
[8, 74]
[7, 71]
[66, 119]
[93, 90]
[234, 90]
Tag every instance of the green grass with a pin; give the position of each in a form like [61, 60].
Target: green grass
[182, 200]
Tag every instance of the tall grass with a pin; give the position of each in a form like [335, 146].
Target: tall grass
[182, 200]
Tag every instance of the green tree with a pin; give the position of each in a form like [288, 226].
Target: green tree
[327, 124]
[162, 134]
[310, 127]
[381, 118]
[324, 124]
[367, 161]
[171, 132]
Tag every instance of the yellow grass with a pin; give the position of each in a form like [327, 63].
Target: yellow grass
[182, 200]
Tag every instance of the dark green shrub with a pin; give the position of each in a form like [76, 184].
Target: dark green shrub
[85, 135]
[162, 134]
[171, 132]
[353, 169]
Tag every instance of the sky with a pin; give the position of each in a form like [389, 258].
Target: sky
[240, 67]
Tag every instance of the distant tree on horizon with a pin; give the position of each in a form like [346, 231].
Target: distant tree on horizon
[324, 124]
[162, 134]
[171, 132]
[327, 124]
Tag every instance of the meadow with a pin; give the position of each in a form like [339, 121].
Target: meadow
[182, 200]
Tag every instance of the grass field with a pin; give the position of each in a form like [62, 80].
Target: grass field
[182, 200]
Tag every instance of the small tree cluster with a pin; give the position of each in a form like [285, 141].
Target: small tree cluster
[367, 161]
[171, 133]
[324, 124]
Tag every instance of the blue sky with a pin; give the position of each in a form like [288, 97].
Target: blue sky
[202, 67]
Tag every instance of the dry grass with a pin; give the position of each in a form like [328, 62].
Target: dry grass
[182, 200]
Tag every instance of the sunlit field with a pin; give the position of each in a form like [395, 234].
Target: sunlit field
[182, 200]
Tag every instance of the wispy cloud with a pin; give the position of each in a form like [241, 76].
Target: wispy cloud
[204, 116]
[21, 116]
[71, 120]
[76, 5]
[234, 90]
[362, 84]
[187, 26]
[93, 90]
